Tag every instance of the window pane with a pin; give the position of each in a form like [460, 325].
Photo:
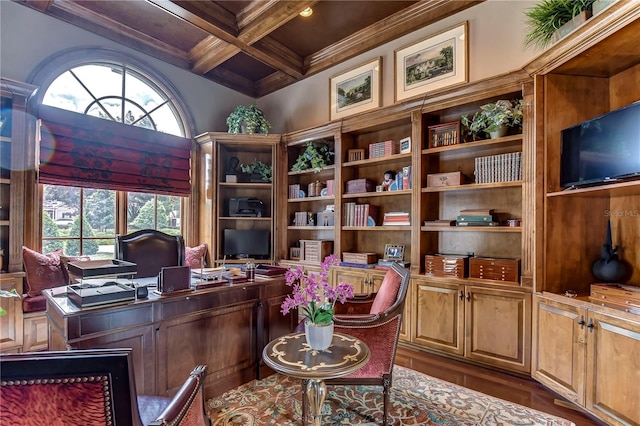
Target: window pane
[140, 212]
[166, 119]
[100, 212]
[67, 93]
[101, 79]
[169, 214]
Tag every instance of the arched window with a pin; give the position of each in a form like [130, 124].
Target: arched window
[82, 218]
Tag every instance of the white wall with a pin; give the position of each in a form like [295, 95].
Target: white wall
[496, 46]
[496, 34]
[28, 37]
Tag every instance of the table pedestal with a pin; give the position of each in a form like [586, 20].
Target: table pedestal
[316, 394]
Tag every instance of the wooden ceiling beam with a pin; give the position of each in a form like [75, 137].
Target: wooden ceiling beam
[401, 23]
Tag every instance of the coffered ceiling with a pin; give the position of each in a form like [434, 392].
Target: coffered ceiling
[254, 47]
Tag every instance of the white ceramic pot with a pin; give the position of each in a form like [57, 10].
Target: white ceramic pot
[319, 337]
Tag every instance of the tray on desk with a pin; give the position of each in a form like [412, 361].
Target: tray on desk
[84, 295]
[96, 268]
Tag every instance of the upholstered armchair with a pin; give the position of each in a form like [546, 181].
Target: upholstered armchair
[375, 319]
[90, 387]
[151, 250]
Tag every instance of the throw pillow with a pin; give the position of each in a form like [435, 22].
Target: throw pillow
[193, 255]
[43, 271]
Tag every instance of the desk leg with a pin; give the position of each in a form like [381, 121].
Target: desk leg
[316, 393]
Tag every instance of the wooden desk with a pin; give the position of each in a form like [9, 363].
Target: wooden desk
[224, 327]
[291, 355]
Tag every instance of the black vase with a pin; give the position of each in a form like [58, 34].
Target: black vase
[609, 269]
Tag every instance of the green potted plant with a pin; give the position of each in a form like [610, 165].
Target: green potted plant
[248, 119]
[546, 17]
[494, 119]
[313, 157]
[258, 170]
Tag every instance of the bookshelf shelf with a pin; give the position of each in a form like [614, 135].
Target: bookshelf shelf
[311, 228]
[378, 194]
[509, 229]
[388, 159]
[473, 186]
[503, 142]
[377, 228]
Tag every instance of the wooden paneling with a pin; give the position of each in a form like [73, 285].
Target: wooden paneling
[36, 332]
[11, 322]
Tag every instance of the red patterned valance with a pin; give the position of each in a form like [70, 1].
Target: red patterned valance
[85, 151]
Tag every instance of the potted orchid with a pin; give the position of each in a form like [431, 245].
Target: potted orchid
[316, 298]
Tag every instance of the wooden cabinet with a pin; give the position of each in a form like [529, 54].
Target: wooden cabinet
[587, 354]
[299, 198]
[222, 183]
[11, 323]
[487, 325]
[16, 169]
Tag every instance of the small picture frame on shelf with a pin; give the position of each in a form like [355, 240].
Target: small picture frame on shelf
[393, 252]
[405, 145]
[294, 253]
[444, 134]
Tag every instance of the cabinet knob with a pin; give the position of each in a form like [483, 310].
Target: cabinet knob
[468, 297]
[461, 295]
[581, 322]
[590, 325]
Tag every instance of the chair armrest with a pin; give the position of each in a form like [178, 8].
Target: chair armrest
[187, 406]
[358, 304]
[351, 320]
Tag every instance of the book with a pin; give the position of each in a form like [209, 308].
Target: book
[458, 223]
[476, 212]
[358, 265]
[467, 218]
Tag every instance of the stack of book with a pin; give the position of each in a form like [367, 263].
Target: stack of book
[360, 214]
[396, 219]
[294, 191]
[476, 217]
[359, 260]
[499, 168]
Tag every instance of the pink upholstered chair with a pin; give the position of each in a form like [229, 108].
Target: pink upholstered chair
[375, 319]
[90, 387]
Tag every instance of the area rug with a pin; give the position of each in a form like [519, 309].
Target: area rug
[416, 399]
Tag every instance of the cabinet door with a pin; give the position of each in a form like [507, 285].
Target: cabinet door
[613, 368]
[559, 347]
[359, 280]
[498, 327]
[11, 323]
[438, 316]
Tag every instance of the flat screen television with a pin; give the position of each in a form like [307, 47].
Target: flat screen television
[242, 243]
[602, 149]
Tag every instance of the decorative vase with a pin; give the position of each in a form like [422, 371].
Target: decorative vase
[609, 269]
[318, 337]
[502, 131]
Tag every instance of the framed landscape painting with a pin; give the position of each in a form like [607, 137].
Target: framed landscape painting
[433, 63]
[356, 90]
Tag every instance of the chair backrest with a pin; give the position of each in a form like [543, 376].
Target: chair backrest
[150, 250]
[393, 291]
[93, 387]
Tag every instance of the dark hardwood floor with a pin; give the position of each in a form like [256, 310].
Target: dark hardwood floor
[523, 391]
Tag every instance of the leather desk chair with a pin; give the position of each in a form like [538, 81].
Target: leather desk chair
[90, 387]
[151, 250]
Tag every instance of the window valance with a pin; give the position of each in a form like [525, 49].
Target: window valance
[86, 151]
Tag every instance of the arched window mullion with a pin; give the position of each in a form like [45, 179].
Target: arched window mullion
[90, 94]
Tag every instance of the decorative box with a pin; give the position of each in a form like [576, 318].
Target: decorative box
[488, 268]
[355, 186]
[363, 258]
[444, 134]
[383, 149]
[438, 265]
[626, 298]
[446, 179]
[325, 218]
[315, 250]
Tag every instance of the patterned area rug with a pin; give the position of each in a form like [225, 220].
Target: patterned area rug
[416, 399]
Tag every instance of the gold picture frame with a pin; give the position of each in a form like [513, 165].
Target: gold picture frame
[357, 90]
[433, 63]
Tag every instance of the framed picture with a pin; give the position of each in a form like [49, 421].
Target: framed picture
[356, 90]
[433, 63]
[393, 252]
[405, 145]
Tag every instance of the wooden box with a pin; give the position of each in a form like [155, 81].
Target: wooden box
[444, 134]
[437, 265]
[626, 298]
[315, 250]
[355, 154]
[488, 268]
[362, 258]
[383, 149]
[446, 179]
[356, 186]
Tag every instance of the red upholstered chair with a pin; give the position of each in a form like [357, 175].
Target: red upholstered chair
[375, 319]
[90, 387]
